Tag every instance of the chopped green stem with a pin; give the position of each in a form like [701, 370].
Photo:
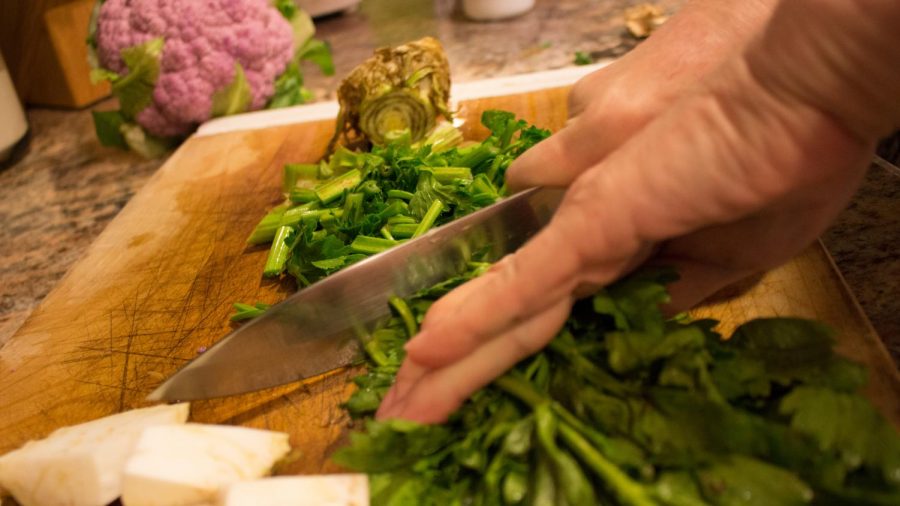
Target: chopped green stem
[395, 220]
[386, 233]
[294, 216]
[495, 167]
[481, 184]
[443, 137]
[447, 175]
[477, 155]
[294, 172]
[278, 253]
[404, 230]
[353, 207]
[247, 311]
[334, 188]
[371, 245]
[434, 210]
[405, 314]
[266, 228]
[627, 490]
[302, 195]
[519, 388]
[399, 194]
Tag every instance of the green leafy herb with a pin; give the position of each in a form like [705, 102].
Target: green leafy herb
[356, 204]
[627, 407]
[583, 58]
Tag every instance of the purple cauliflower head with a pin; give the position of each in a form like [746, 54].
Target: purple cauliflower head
[203, 41]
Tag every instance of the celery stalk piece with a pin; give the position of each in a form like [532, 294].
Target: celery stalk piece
[294, 172]
[278, 253]
[334, 188]
[248, 311]
[399, 194]
[386, 233]
[395, 220]
[443, 137]
[405, 313]
[265, 229]
[403, 230]
[371, 245]
[302, 195]
[434, 210]
[353, 208]
[294, 216]
[481, 184]
[445, 175]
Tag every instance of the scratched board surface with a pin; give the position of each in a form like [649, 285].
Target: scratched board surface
[157, 286]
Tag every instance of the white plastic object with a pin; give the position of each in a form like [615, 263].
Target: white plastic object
[187, 464]
[487, 10]
[81, 465]
[320, 490]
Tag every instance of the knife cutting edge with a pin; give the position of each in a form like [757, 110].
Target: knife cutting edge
[318, 329]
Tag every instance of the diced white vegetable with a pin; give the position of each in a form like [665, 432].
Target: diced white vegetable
[81, 465]
[187, 464]
[325, 490]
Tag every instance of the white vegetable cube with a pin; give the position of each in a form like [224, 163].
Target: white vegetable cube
[81, 465]
[187, 464]
[324, 490]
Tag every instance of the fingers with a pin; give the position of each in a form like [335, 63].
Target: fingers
[540, 274]
[559, 159]
[431, 395]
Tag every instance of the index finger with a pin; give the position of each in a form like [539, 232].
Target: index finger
[541, 274]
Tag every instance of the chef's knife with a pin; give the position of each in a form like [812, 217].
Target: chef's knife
[318, 328]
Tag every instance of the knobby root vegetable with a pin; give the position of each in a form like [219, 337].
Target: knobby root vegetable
[187, 464]
[81, 465]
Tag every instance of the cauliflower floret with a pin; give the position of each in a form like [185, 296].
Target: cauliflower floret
[203, 42]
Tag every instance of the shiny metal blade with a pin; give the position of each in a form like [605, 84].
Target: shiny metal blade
[318, 328]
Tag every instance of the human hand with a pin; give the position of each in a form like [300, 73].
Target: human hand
[735, 178]
[610, 105]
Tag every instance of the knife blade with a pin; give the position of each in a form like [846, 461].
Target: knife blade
[318, 329]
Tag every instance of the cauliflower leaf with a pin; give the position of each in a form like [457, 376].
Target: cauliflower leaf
[234, 98]
[135, 89]
[318, 52]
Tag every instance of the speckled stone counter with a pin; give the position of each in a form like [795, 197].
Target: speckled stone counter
[62, 188]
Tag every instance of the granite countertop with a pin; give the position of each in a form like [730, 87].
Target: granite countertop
[62, 188]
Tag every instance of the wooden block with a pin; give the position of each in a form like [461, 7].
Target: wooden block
[67, 28]
[44, 43]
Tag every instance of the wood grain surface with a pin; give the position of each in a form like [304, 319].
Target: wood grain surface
[156, 288]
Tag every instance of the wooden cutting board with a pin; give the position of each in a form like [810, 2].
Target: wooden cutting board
[157, 287]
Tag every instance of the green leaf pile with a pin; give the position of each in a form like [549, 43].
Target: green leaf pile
[626, 407]
[356, 204]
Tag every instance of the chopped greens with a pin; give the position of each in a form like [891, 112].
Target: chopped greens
[357, 204]
[627, 407]
[248, 311]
